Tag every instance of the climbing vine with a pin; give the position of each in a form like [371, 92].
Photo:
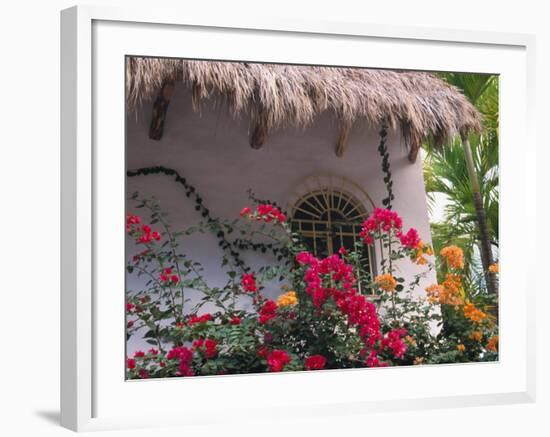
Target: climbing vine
[230, 247]
[383, 151]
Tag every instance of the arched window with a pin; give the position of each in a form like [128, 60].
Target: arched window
[328, 219]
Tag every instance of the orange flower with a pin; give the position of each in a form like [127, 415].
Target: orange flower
[460, 347]
[493, 268]
[476, 335]
[448, 293]
[435, 293]
[386, 282]
[492, 344]
[418, 360]
[472, 313]
[287, 299]
[410, 340]
[453, 256]
[421, 250]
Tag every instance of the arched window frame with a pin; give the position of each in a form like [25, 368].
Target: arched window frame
[354, 204]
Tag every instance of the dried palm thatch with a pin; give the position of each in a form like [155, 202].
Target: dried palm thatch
[276, 96]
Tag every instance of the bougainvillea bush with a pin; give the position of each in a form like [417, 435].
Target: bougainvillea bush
[329, 314]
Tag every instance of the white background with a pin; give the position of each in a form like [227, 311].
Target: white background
[29, 221]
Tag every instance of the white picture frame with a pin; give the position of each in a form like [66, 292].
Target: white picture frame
[89, 399]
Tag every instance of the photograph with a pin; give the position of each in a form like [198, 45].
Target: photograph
[297, 218]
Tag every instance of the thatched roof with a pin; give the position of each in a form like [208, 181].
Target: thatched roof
[419, 103]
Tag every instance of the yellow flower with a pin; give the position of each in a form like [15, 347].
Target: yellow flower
[476, 335]
[287, 299]
[472, 313]
[453, 256]
[460, 347]
[386, 282]
[493, 268]
[492, 344]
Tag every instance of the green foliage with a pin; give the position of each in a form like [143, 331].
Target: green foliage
[244, 330]
[446, 175]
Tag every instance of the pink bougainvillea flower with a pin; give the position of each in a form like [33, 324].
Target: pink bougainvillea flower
[374, 361]
[381, 220]
[264, 212]
[393, 340]
[410, 240]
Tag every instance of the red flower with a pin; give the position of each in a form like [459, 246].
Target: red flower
[132, 220]
[268, 311]
[129, 307]
[174, 279]
[374, 361]
[245, 211]
[181, 353]
[277, 360]
[249, 283]
[184, 369]
[130, 324]
[153, 351]
[235, 320]
[147, 235]
[143, 374]
[210, 348]
[138, 354]
[393, 341]
[145, 238]
[381, 220]
[315, 362]
[167, 271]
[131, 363]
[199, 319]
[262, 352]
[264, 212]
[305, 258]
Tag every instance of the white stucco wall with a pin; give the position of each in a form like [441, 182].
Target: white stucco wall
[211, 149]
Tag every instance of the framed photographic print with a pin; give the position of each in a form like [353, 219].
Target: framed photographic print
[320, 212]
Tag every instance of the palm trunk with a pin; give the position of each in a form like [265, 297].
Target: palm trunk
[485, 241]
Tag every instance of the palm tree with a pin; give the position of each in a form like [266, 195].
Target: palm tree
[466, 172]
